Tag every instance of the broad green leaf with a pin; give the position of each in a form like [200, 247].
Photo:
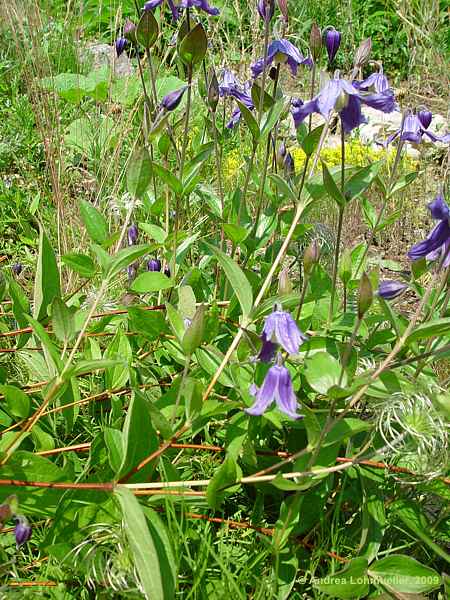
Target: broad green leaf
[46, 285]
[17, 401]
[80, 263]
[404, 574]
[250, 121]
[373, 513]
[20, 308]
[225, 475]
[268, 101]
[186, 301]
[125, 257]
[139, 173]
[323, 372]
[151, 282]
[272, 116]
[193, 46]
[167, 559]
[237, 279]
[114, 443]
[154, 231]
[361, 180]
[285, 569]
[49, 347]
[63, 323]
[429, 329]
[352, 582]
[120, 351]
[403, 182]
[310, 142]
[94, 221]
[169, 178]
[236, 233]
[288, 518]
[147, 29]
[143, 549]
[331, 187]
[41, 439]
[193, 336]
[150, 324]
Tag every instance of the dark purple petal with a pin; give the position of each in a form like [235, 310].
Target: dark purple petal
[412, 129]
[266, 394]
[390, 289]
[121, 44]
[329, 96]
[332, 39]
[351, 115]
[201, 4]
[281, 328]
[285, 397]
[439, 209]
[438, 236]
[235, 118]
[425, 117]
[266, 8]
[377, 82]
[133, 234]
[228, 84]
[17, 268]
[172, 100]
[281, 51]
[22, 531]
[445, 139]
[384, 101]
[154, 265]
[151, 4]
[268, 349]
[301, 111]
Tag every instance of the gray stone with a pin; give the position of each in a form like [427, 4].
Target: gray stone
[99, 55]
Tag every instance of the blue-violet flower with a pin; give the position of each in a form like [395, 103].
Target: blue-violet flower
[390, 289]
[281, 51]
[22, 530]
[332, 39]
[152, 4]
[414, 127]
[437, 244]
[280, 328]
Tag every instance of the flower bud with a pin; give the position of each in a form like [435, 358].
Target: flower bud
[425, 116]
[390, 289]
[172, 100]
[283, 6]
[315, 42]
[281, 154]
[22, 530]
[289, 166]
[311, 257]
[17, 268]
[133, 234]
[213, 90]
[121, 43]
[154, 265]
[284, 283]
[363, 53]
[131, 272]
[129, 31]
[193, 335]
[266, 8]
[332, 39]
[365, 295]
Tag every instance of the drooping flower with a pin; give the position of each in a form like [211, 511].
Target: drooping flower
[154, 265]
[133, 234]
[152, 4]
[437, 244]
[390, 289]
[281, 51]
[268, 349]
[201, 4]
[172, 100]
[332, 39]
[414, 127]
[266, 8]
[121, 44]
[277, 387]
[342, 96]
[22, 530]
[280, 328]
[230, 87]
[228, 83]
[17, 268]
[131, 272]
[167, 271]
[376, 82]
[289, 166]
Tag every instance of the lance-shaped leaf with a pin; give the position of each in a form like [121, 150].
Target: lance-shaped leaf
[268, 101]
[147, 30]
[46, 286]
[94, 221]
[139, 173]
[331, 187]
[192, 49]
[250, 121]
[194, 333]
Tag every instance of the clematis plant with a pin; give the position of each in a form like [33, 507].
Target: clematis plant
[281, 51]
[152, 4]
[414, 128]
[390, 289]
[437, 244]
[280, 328]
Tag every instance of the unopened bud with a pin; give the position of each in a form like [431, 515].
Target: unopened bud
[22, 531]
[289, 166]
[315, 42]
[213, 90]
[284, 283]
[283, 6]
[363, 53]
[129, 31]
[193, 335]
[5, 513]
[365, 295]
[311, 257]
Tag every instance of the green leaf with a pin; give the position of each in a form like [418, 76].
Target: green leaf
[114, 443]
[154, 231]
[311, 141]
[429, 329]
[193, 336]
[268, 101]
[167, 560]
[268, 122]
[176, 321]
[404, 574]
[187, 301]
[94, 221]
[143, 549]
[331, 187]
[193, 46]
[49, 347]
[151, 282]
[373, 513]
[80, 263]
[352, 582]
[237, 279]
[119, 351]
[361, 180]
[139, 173]
[63, 323]
[17, 401]
[323, 372]
[285, 569]
[250, 121]
[46, 285]
[139, 439]
[225, 475]
[236, 233]
[147, 29]
[125, 257]
[403, 182]
[169, 178]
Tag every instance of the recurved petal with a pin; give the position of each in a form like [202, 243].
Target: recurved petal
[438, 236]
[285, 397]
[439, 208]
[351, 114]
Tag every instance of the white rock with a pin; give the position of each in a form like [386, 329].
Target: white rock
[104, 55]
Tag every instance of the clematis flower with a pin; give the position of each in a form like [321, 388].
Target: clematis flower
[376, 82]
[22, 530]
[133, 234]
[17, 268]
[228, 83]
[280, 328]
[281, 51]
[201, 4]
[414, 127]
[340, 95]
[277, 387]
[154, 265]
[152, 4]
[121, 44]
[172, 100]
[241, 93]
[332, 39]
[268, 349]
[437, 244]
[266, 8]
[390, 289]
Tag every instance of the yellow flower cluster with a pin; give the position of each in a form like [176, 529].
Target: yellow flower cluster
[232, 164]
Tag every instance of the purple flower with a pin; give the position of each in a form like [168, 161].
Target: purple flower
[332, 39]
[133, 234]
[129, 30]
[413, 129]
[131, 272]
[121, 43]
[154, 265]
[389, 289]
[345, 98]
[268, 349]
[231, 87]
[277, 386]
[17, 268]
[437, 244]
[228, 83]
[280, 328]
[167, 271]
[152, 4]
[266, 8]
[172, 100]
[289, 165]
[201, 4]
[281, 51]
[22, 530]
[376, 82]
